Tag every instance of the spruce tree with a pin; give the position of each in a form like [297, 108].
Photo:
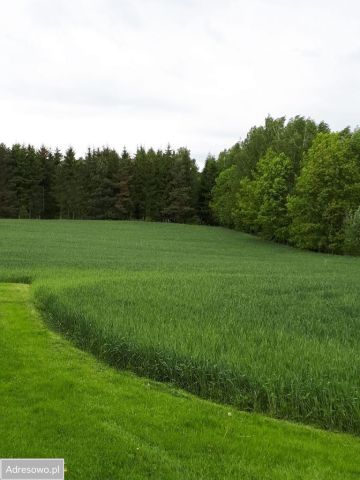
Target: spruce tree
[123, 206]
[8, 198]
[183, 190]
[206, 185]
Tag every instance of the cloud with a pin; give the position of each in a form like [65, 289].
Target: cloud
[196, 73]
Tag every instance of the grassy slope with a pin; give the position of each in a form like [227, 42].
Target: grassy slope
[57, 401]
[224, 315]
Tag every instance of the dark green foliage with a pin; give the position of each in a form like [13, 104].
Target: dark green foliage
[123, 206]
[207, 183]
[153, 185]
[293, 182]
[142, 184]
[101, 168]
[163, 164]
[49, 163]
[182, 190]
[27, 180]
[8, 199]
[68, 188]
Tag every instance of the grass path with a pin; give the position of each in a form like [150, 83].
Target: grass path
[57, 401]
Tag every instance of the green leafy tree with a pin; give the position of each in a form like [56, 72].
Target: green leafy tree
[355, 145]
[352, 233]
[224, 195]
[246, 154]
[327, 188]
[262, 202]
[272, 186]
[296, 139]
[246, 207]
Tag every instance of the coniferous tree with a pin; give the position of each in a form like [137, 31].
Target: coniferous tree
[206, 185]
[68, 188]
[21, 179]
[246, 188]
[183, 189]
[140, 183]
[8, 198]
[48, 165]
[123, 205]
[164, 163]
[100, 171]
[151, 193]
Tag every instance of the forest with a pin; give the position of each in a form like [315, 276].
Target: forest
[294, 182]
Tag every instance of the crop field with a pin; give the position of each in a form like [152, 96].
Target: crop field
[57, 401]
[224, 315]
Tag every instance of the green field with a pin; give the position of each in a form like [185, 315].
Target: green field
[229, 317]
[57, 401]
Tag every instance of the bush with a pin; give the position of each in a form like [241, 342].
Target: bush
[352, 233]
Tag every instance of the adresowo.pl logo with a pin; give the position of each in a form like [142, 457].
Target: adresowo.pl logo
[32, 469]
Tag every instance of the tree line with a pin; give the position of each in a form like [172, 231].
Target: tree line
[294, 182]
[150, 185]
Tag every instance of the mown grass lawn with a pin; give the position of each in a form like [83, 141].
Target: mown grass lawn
[57, 401]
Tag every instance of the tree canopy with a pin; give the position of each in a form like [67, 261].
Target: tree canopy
[293, 181]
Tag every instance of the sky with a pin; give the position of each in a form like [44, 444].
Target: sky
[192, 73]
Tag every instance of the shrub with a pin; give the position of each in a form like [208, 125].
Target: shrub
[352, 233]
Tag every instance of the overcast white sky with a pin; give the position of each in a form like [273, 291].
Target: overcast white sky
[195, 73]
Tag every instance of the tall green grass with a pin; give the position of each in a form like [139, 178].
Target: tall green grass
[226, 316]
